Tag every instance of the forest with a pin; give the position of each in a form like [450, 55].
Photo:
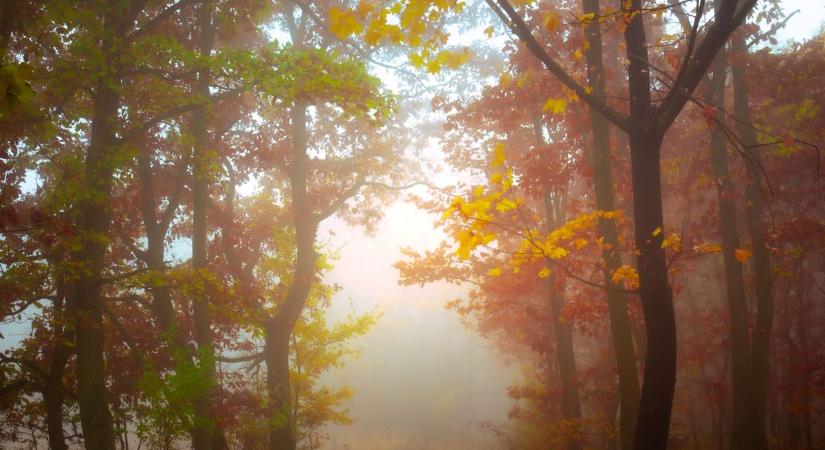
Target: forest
[412, 224]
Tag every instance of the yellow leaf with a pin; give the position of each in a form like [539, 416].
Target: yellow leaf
[556, 105]
[577, 54]
[494, 272]
[544, 273]
[489, 32]
[742, 255]
[672, 241]
[498, 155]
[587, 18]
[557, 253]
[343, 23]
[505, 205]
[657, 231]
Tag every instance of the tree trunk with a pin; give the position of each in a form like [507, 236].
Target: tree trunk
[620, 328]
[279, 330]
[554, 205]
[206, 435]
[53, 391]
[276, 355]
[734, 277]
[760, 345]
[656, 400]
[94, 220]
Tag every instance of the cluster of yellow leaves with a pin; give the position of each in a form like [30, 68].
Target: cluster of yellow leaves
[404, 22]
[477, 217]
[476, 211]
[627, 276]
[344, 23]
[558, 243]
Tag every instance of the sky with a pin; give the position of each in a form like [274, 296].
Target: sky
[804, 25]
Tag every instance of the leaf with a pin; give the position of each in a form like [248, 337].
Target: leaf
[495, 272]
[672, 241]
[742, 255]
[657, 232]
[343, 23]
[627, 276]
[555, 105]
[544, 273]
[498, 155]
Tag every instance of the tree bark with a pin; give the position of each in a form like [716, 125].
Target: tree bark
[734, 276]
[53, 392]
[93, 223]
[656, 401]
[276, 356]
[206, 434]
[620, 328]
[763, 274]
[279, 330]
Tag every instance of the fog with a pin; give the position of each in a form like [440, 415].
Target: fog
[423, 380]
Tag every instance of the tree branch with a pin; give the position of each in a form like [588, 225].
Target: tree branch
[523, 32]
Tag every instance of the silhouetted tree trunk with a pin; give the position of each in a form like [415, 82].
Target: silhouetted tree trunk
[620, 329]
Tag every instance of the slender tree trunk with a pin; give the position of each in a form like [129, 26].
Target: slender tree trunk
[162, 307]
[53, 393]
[554, 205]
[760, 345]
[94, 220]
[279, 330]
[734, 277]
[206, 435]
[620, 328]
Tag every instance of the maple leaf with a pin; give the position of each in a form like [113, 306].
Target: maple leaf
[742, 255]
